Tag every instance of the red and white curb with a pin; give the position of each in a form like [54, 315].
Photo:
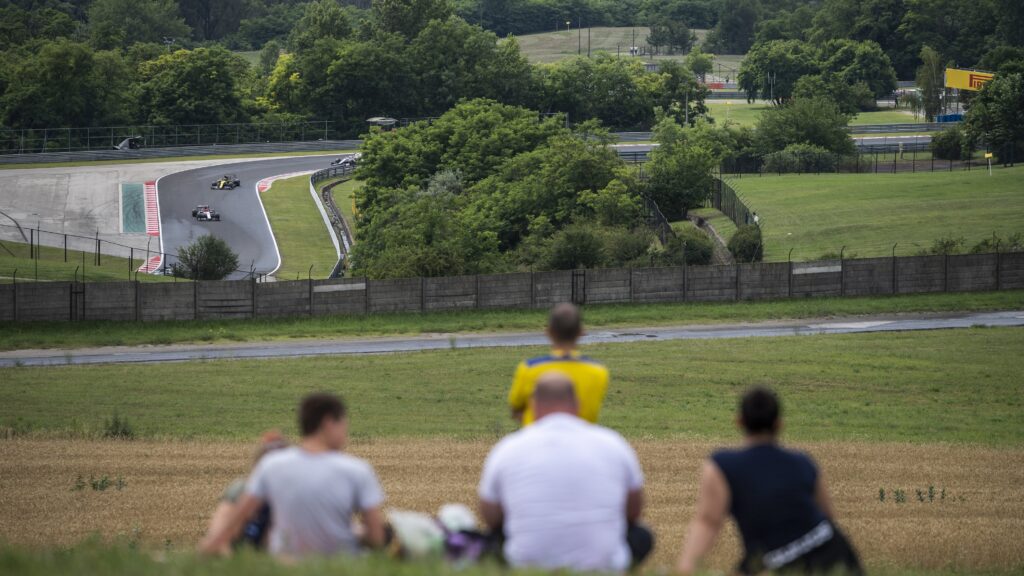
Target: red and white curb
[152, 225]
[264, 185]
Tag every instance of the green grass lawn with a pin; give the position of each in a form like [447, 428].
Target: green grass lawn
[886, 117]
[172, 159]
[869, 213]
[721, 223]
[874, 387]
[743, 113]
[18, 336]
[14, 257]
[300, 231]
[343, 194]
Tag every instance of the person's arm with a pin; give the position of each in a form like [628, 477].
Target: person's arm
[712, 508]
[218, 540]
[374, 535]
[634, 505]
[823, 499]
[518, 395]
[492, 514]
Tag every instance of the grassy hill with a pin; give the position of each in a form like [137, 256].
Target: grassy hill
[555, 46]
[869, 213]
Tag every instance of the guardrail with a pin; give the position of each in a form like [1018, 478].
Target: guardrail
[180, 151]
[895, 128]
[337, 220]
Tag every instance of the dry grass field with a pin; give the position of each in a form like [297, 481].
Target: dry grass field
[171, 487]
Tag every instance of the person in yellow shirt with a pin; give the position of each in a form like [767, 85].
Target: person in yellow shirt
[589, 377]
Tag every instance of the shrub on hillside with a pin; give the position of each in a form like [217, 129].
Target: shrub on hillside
[207, 258]
[800, 158]
[746, 245]
[949, 144]
[1014, 243]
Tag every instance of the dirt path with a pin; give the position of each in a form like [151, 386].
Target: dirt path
[719, 251]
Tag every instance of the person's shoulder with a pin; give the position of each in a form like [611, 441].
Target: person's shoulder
[538, 360]
[800, 457]
[608, 437]
[276, 457]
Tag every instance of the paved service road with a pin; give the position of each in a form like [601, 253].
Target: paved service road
[243, 224]
[285, 349]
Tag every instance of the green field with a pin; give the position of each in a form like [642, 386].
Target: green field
[19, 336]
[343, 198]
[300, 231]
[876, 387]
[14, 259]
[869, 213]
[886, 117]
[746, 114]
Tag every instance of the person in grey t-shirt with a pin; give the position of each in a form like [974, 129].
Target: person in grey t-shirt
[313, 490]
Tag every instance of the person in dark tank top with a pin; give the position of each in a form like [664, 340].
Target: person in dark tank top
[777, 498]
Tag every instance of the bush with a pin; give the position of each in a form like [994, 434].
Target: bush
[208, 258]
[695, 243]
[996, 244]
[800, 158]
[118, 428]
[625, 246]
[949, 144]
[746, 245]
[574, 247]
[943, 246]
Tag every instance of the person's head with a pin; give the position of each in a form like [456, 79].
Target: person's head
[322, 415]
[554, 393]
[565, 325]
[760, 412]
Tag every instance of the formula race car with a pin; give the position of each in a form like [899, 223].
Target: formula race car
[348, 161]
[203, 213]
[226, 182]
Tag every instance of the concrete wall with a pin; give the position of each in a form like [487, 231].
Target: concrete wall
[108, 301]
[64, 301]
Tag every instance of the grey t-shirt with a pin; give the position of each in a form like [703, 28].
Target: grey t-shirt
[312, 499]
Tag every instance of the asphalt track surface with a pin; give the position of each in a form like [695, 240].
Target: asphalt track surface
[243, 223]
[291, 349]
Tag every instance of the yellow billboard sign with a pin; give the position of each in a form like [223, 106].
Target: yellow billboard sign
[966, 79]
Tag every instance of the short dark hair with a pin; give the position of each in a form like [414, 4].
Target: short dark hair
[760, 410]
[315, 407]
[565, 324]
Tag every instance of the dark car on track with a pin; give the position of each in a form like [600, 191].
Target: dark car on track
[203, 213]
[226, 182]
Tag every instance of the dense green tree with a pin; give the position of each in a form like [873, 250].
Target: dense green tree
[321, 19]
[212, 19]
[771, 70]
[931, 82]
[700, 63]
[679, 174]
[207, 258]
[996, 116]
[672, 35]
[875, 20]
[121, 23]
[859, 62]
[618, 91]
[408, 17]
[793, 25]
[198, 86]
[956, 29]
[19, 26]
[67, 84]
[268, 56]
[734, 33]
[816, 121]
[851, 98]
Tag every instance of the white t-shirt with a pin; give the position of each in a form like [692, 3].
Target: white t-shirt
[312, 499]
[562, 484]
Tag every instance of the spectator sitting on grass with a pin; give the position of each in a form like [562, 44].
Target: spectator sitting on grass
[565, 493]
[777, 497]
[255, 529]
[565, 327]
[313, 490]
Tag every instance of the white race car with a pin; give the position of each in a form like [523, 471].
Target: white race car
[203, 213]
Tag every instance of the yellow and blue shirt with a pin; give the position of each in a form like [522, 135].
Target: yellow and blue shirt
[589, 377]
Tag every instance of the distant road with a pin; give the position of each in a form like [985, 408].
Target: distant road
[289, 349]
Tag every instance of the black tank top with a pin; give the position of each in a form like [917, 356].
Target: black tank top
[772, 495]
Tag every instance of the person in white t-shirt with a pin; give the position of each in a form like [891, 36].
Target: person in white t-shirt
[313, 489]
[564, 493]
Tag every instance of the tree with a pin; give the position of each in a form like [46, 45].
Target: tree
[851, 99]
[859, 62]
[771, 70]
[212, 19]
[121, 23]
[996, 116]
[408, 17]
[734, 32]
[672, 34]
[321, 19]
[679, 174]
[700, 63]
[198, 86]
[931, 82]
[206, 258]
[268, 56]
[816, 121]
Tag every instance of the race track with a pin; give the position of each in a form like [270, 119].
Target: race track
[243, 224]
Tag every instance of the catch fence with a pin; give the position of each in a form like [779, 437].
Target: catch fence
[881, 159]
